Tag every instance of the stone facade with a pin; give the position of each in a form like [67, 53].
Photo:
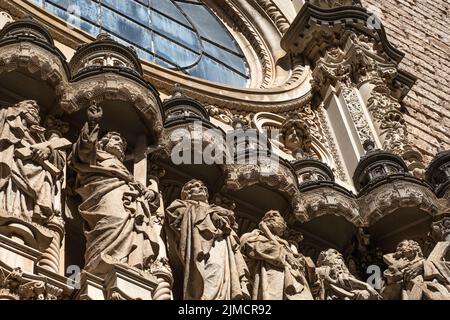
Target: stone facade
[327, 179]
[420, 29]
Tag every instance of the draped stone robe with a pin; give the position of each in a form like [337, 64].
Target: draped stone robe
[273, 277]
[432, 283]
[208, 249]
[337, 284]
[27, 190]
[117, 218]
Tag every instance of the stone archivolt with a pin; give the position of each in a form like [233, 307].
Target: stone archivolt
[176, 248]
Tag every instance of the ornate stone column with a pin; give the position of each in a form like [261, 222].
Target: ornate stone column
[355, 77]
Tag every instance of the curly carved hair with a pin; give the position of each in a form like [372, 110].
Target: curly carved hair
[300, 125]
[408, 245]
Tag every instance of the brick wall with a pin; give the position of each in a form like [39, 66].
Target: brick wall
[421, 29]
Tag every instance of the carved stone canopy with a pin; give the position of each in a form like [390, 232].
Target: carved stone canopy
[438, 173]
[377, 165]
[105, 53]
[26, 28]
[183, 107]
[29, 46]
[312, 171]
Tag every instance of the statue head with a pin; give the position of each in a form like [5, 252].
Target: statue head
[30, 111]
[333, 259]
[195, 190]
[295, 134]
[408, 249]
[275, 222]
[114, 144]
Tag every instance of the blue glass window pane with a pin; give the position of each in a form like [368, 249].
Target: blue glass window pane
[177, 34]
[145, 54]
[132, 9]
[173, 52]
[208, 26]
[126, 29]
[168, 8]
[38, 2]
[175, 31]
[84, 25]
[225, 56]
[214, 71]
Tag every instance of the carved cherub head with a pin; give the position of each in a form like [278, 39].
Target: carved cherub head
[408, 249]
[195, 190]
[275, 222]
[295, 134]
[30, 110]
[114, 144]
[333, 259]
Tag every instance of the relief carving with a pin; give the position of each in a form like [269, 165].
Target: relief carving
[335, 281]
[411, 276]
[207, 246]
[116, 209]
[31, 164]
[278, 271]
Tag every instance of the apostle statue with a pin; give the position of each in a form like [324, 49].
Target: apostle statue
[277, 270]
[337, 283]
[206, 246]
[412, 277]
[117, 210]
[30, 165]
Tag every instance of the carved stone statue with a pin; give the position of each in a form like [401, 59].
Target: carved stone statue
[337, 283]
[207, 246]
[295, 136]
[29, 164]
[116, 209]
[412, 277]
[277, 270]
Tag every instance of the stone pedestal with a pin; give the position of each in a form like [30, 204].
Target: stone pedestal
[120, 283]
[18, 255]
[123, 283]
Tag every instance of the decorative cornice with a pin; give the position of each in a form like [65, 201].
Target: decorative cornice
[315, 29]
[275, 14]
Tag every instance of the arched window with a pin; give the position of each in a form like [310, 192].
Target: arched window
[182, 35]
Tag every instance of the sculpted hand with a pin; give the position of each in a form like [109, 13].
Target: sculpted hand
[94, 113]
[41, 154]
[413, 271]
[149, 195]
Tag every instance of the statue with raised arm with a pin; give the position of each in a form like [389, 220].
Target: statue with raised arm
[337, 283]
[30, 164]
[277, 269]
[206, 246]
[411, 276]
[117, 210]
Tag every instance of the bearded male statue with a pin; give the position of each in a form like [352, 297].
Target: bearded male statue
[27, 186]
[337, 283]
[117, 210]
[277, 271]
[206, 246]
